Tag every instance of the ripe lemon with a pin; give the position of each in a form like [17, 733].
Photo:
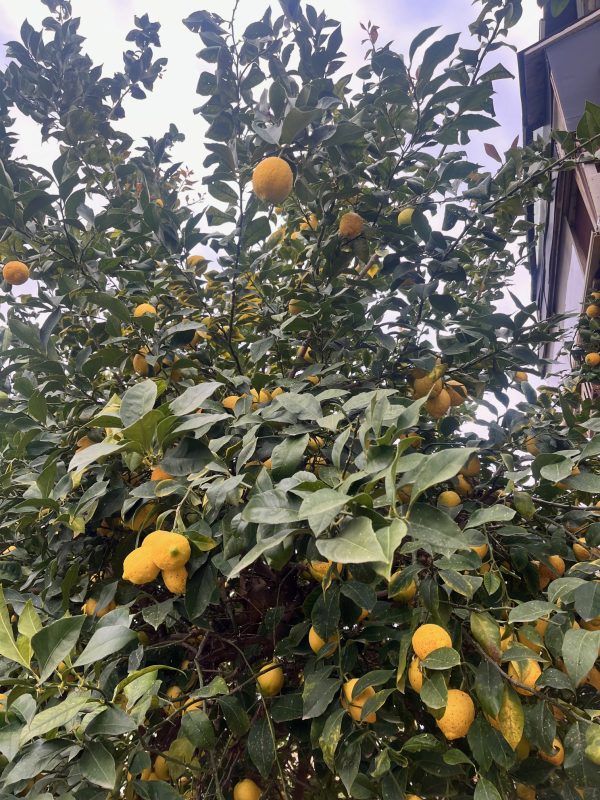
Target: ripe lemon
[406, 593]
[144, 308]
[272, 180]
[230, 401]
[354, 705]
[405, 216]
[175, 579]
[580, 551]
[462, 486]
[592, 311]
[521, 376]
[592, 359]
[270, 679]
[192, 705]
[139, 567]
[531, 446]
[557, 756]
[449, 499]
[312, 223]
[15, 272]
[457, 392]
[140, 365]
[437, 407]
[482, 551]
[321, 569]
[159, 474]
[428, 638]
[246, 790]
[555, 569]
[167, 549]
[415, 675]
[458, 715]
[422, 386]
[173, 692]
[316, 443]
[471, 468]
[404, 493]
[526, 672]
[525, 792]
[90, 608]
[161, 768]
[351, 225]
[317, 645]
[143, 518]
[193, 261]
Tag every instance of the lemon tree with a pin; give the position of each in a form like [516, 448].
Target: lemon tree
[282, 514]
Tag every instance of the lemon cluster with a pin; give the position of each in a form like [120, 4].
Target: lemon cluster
[161, 551]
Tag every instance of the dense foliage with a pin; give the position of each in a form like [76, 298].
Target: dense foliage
[318, 420]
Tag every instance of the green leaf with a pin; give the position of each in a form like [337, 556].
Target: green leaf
[524, 504]
[435, 530]
[98, 765]
[485, 790]
[56, 716]
[273, 507]
[93, 453]
[29, 621]
[296, 121]
[193, 398]
[390, 538]
[587, 600]
[257, 551]
[287, 455]
[530, 611]
[348, 763]
[434, 692]
[330, 736]
[439, 467]
[235, 714]
[137, 401]
[442, 658]
[319, 691]
[496, 513]
[261, 747]
[321, 507]
[489, 687]
[420, 39]
[579, 652]
[355, 544]
[434, 55]
[112, 721]
[198, 728]
[53, 643]
[8, 647]
[157, 613]
[105, 642]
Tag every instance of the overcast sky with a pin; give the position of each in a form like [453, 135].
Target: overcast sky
[105, 24]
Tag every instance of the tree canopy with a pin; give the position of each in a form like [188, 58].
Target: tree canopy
[281, 512]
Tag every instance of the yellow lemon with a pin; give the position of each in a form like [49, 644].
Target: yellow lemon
[458, 715]
[270, 679]
[351, 225]
[272, 180]
[354, 705]
[428, 638]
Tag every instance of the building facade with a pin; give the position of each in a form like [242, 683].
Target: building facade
[558, 75]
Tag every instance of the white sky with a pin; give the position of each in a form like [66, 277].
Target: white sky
[106, 22]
